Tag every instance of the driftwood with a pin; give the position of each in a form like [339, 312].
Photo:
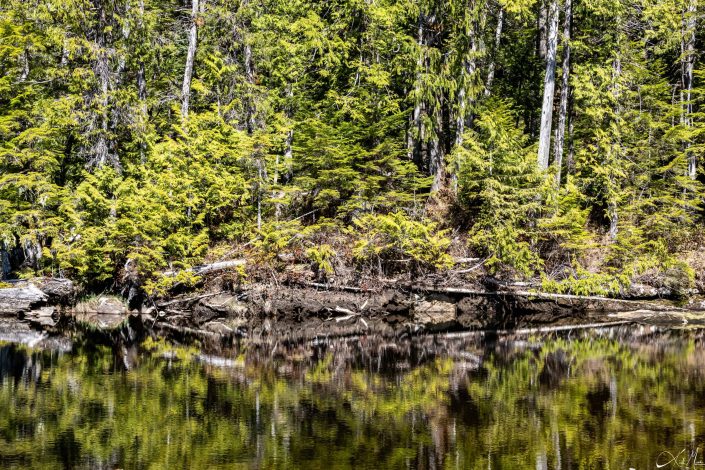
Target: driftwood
[319, 285]
[188, 300]
[529, 295]
[209, 268]
[466, 260]
[540, 295]
[470, 269]
[531, 331]
[198, 333]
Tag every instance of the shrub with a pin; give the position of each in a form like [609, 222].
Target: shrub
[393, 242]
[321, 258]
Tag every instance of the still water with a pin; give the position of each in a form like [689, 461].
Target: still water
[621, 398]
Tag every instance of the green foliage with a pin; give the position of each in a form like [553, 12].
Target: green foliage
[393, 242]
[321, 258]
[499, 183]
[629, 259]
[160, 285]
[567, 220]
[251, 414]
[276, 238]
[584, 282]
[306, 115]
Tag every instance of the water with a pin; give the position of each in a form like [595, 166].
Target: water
[616, 398]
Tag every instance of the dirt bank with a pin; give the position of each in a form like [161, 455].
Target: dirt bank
[290, 313]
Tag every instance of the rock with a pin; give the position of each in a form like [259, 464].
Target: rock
[18, 300]
[226, 304]
[435, 314]
[58, 291]
[217, 327]
[42, 317]
[103, 312]
[32, 300]
[641, 291]
[219, 306]
[476, 312]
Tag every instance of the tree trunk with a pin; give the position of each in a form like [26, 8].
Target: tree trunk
[122, 60]
[141, 80]
[688, 66]
[260, 183]
[102, 152]
[63, 62]
[541, 43]
[570, 163]
[190, 56]
[612, 212]
[548, 88]
[467, 74]
[250, 76]
[462, 111]
[288, 144]
[563, 110]
[435, 159]
[497, 40]
[289, 153]
[142, 85]
[5, 266]
[415, 134]
[25, 65]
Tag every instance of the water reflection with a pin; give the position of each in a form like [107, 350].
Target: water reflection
[614, 398]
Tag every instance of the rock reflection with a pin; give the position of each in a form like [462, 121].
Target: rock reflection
[552, 401]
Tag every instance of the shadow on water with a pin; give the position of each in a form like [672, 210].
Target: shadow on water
[562, 400]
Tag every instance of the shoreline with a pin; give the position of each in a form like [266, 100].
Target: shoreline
[305, 312]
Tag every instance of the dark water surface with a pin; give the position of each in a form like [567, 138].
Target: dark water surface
[614, 398]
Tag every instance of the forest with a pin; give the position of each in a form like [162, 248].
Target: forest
[552, 140]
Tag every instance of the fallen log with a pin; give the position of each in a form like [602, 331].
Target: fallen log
[465, 260]
[188, 300]
[209, 268]
[539, 295]
[319, 285]
[531, 331]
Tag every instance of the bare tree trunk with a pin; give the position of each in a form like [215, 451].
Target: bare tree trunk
[25, 65]
[541, 460]
[261, 176]
[64, 55]
[541, 43]
[570, 163]
[101, 150]
[416, 126]
[688, 66]
[142, 85]
[563, 110]
[467, 73]
[250, 76]
[122, 59]
[549, 84]
[289, 153]
[190, 56]
[612, 203]
[436, 163]
[497, 40]
[141, 79]
[462, 111]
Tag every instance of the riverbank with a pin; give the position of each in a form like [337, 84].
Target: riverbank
[304, 311]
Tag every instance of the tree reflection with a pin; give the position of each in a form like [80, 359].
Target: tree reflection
[546, 402]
